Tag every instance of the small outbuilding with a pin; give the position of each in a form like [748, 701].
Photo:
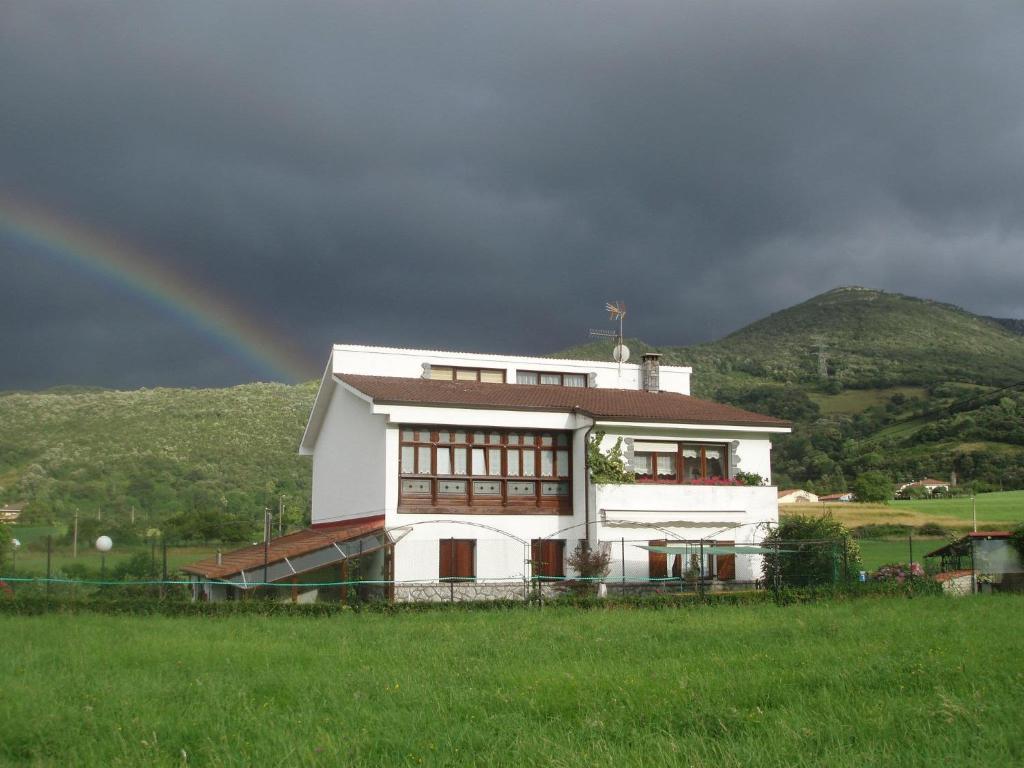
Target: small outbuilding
[988, 558]
[797, 496]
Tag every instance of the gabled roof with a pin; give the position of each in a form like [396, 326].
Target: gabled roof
[599, 403]
[960, 545]
[290, 546]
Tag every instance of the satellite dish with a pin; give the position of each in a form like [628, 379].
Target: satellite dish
[621, 353]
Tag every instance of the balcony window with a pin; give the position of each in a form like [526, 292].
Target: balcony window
[665, 462]
[442, 467]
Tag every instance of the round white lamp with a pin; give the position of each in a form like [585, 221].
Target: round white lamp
[15, 546]
[104, 545]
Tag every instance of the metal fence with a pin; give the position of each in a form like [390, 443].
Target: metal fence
[501, 567]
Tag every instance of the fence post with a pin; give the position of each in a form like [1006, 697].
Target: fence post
[623, 554]
[910, 545]
[49, 574]
[163, 566]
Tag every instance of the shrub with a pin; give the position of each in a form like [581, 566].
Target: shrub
[607, 467]
[881, 530]
[898, 572]
[818, 550]
[591, 565]
[932, 529]
[750, 478]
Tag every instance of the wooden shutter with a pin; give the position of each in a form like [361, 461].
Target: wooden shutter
[548, 557]
[726, 563]
[456, 559]
[465, 567]
[657, 562]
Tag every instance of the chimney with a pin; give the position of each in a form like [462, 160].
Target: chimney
[649, 368]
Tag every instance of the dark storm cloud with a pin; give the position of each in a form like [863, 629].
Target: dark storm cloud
[484, 177]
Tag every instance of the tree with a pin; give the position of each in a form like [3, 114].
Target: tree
[607, 467]
[812, 550]
[873, 486]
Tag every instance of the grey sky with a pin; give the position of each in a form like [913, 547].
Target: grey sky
[485, 176]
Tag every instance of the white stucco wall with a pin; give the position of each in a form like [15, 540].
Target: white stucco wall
[408, 363]
[684, 512]
[349, 461]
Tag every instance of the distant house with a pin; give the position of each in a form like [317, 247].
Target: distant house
[930, 484]
[797, 496]
[983, 560]
[833, 497]
[10, 513]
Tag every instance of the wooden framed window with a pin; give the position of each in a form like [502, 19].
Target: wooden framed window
[664, 462]
[453, 373]
[494, 470]
[552, 378]
[457, 559]
[548, 557]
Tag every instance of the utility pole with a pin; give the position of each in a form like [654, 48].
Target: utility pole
[974, 512]
[75, 540]
[133, 514]
[280, 515]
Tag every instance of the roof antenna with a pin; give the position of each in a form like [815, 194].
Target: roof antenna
[616, 311]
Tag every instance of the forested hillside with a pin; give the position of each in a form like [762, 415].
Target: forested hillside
[165, 452]
[875, 382]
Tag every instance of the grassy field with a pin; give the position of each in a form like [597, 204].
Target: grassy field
[878, 552]
[859, 400]
[995, 510]
[885, 682]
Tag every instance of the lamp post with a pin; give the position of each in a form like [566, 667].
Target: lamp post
[974, 512]
[103, 544]
[15, 546]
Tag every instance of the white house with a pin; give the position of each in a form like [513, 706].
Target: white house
[797, 496]
[454, 476]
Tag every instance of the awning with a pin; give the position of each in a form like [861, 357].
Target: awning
[296, 553]
[710, 549]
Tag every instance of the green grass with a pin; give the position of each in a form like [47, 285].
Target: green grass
[879, 552]
[1002, 508]
[887, 682]
[32, 562]
[858, 400]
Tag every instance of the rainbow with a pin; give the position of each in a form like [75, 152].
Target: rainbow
[209, 314]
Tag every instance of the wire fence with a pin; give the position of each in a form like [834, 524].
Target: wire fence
[500, 567]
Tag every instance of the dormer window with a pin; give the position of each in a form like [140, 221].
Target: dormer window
[450, 373]
[552, 378]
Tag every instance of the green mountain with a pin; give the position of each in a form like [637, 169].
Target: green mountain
[874, 381]
[163, 452]
[859, 338]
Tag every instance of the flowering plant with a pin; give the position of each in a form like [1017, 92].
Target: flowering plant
[899, 572]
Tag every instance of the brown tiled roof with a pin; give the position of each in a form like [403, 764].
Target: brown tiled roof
[292, 545]
[605, 404]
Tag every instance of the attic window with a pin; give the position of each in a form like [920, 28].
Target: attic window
[450, 373]
[552, 378]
